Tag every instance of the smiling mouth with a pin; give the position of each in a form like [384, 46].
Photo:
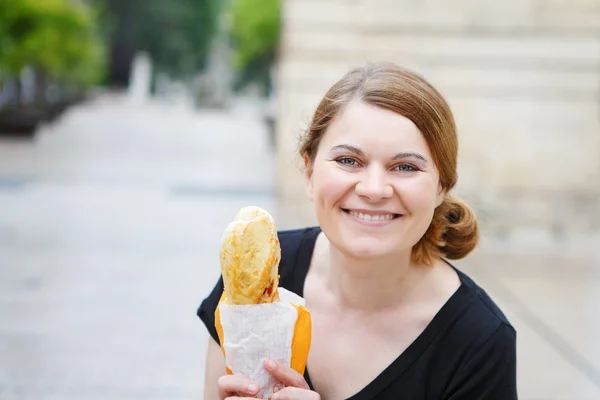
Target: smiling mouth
[372, 217]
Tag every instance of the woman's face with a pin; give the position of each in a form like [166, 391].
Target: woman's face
[373, 182]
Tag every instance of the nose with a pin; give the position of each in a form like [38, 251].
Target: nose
[374, 184]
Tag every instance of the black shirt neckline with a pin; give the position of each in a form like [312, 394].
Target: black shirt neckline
[452, 309]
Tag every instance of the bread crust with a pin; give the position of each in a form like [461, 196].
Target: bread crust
[249, 256]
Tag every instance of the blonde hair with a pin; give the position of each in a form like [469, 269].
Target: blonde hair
[453, 232]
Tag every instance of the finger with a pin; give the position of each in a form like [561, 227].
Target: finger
[292, 393]
[286, 375]
[240, 398]
[234, 384]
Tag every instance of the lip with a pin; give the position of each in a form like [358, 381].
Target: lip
[363, 222]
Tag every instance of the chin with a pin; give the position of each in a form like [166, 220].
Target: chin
[366, 247]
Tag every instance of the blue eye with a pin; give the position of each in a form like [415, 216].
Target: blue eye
[405, 168]
[350, 162]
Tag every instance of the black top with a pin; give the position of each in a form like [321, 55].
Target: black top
[467, 352]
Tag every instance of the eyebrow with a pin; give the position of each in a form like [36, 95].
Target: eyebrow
[399, 156]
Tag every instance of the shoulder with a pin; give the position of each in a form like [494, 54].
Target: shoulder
[483, 305]
[484, 349]
[291, 240]
[482, 321]
[297, 246]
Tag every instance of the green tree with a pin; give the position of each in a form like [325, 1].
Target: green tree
[255, 31]
[58, 38]
[175, 33]
[190, 27]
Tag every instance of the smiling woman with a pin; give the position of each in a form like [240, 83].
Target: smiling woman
[382, 100]
[391, 317]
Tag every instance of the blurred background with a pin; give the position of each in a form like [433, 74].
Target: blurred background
[131, 132]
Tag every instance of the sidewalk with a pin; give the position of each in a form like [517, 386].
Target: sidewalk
[109, 235]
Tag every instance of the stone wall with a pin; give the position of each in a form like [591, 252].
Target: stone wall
[522, 76]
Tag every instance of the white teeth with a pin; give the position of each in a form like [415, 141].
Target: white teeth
[369, 217]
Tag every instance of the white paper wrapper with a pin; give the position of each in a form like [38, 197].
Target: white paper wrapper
[255, 333]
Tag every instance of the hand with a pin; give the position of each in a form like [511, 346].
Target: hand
[296, 386]
[235, 385]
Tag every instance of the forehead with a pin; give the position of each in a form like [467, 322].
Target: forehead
[370, 127]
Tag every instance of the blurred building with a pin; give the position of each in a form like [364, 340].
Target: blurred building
[522, 77]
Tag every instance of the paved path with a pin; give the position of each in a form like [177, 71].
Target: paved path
[109, 230]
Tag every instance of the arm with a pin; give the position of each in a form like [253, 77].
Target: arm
[490, 374]
[215, 363]
[217, 384]
[215, 368]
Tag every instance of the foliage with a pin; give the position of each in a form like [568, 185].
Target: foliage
[175, 33]
[255, 30]
[57, 37]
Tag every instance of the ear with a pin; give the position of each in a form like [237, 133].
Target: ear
[308, 177]
[440, 196]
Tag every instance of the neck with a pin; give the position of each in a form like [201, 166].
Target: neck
[374, 283]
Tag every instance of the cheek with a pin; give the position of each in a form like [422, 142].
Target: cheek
[419, 195]
[331, 185]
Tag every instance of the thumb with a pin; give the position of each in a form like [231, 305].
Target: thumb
[287, 375]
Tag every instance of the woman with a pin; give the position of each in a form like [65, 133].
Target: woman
[391, 317]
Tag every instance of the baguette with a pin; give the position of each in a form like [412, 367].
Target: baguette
[249, 256]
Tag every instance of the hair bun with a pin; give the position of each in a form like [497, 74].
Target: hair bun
[461, 234]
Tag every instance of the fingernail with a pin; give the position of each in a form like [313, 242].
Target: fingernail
[271, 364]
[252, 388]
